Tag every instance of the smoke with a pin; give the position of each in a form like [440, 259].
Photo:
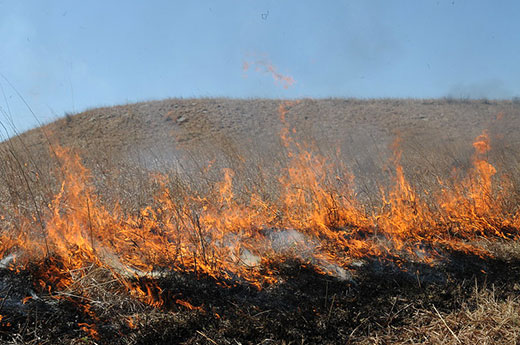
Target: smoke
[295, 244]
[286, 239]
[291, 240]
[490, 88]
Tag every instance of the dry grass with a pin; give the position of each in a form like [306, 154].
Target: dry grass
[482, 319]
[190, 141]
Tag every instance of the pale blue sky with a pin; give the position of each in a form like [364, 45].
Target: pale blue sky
[66, 56]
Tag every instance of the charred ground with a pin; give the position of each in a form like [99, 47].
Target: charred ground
[381, 301]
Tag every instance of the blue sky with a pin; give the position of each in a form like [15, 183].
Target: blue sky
[66, 56]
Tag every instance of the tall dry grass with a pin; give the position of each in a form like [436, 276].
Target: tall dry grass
[30, 181]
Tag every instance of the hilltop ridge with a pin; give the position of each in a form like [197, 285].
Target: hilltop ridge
[183, 123]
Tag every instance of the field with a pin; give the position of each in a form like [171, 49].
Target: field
[219, 221]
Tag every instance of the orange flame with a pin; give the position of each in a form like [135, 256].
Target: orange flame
[265, 66]
[317, 218]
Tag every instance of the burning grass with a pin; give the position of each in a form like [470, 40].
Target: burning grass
[309, 263]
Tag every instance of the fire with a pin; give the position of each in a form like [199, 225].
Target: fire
[265, 66]
[188, 305]
[89, 329]
[404, 216]
[316, 218]
[473, 206]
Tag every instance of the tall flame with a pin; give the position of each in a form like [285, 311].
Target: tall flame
[220, 235]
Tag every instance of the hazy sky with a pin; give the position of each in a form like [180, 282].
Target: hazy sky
[66, 56]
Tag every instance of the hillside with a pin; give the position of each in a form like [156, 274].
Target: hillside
[190, 134]
[219, 221]
[186, 122]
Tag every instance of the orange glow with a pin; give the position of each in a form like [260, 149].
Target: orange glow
[188, 305]
[265, 66]
[317, 218]
[89, 329]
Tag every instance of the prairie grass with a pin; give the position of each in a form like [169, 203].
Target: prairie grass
[192, 162]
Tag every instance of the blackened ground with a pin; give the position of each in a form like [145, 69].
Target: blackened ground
[304, 307]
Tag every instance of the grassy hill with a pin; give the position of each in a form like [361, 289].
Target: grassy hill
[221, 221]
[186, 122]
